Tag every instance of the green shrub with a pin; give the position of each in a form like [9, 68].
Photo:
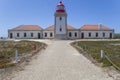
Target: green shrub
[109, 47]
[8, 48]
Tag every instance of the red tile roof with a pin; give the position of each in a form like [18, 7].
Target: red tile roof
[69, 27]
[94, 27]
[50, 28]
[27, 27]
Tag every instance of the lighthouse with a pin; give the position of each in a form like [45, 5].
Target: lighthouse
[60, 22]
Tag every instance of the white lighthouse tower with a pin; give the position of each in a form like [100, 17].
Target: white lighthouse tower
[60, 22]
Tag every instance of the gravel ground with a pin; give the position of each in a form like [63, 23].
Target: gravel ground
[60, 61]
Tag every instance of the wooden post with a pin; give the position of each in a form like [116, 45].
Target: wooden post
[102, 54]
[16, 56]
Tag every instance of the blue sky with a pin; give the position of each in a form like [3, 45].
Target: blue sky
[41, 12]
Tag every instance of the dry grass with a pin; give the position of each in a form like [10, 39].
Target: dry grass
[111, 49]
[7, 50]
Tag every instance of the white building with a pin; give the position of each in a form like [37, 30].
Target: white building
[61, 30]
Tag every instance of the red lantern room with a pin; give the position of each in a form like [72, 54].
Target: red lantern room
[60, 7]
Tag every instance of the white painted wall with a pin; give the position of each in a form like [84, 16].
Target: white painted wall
[42, 34]
[73, 34]
[48, 34]
[28, 34]
[93, 34]
[60, 23]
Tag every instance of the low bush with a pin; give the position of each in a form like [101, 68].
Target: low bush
[110, 48]
[8, 48]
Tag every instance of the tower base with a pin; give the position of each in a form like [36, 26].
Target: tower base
[61, 36]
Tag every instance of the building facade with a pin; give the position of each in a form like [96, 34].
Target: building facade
[61, 30]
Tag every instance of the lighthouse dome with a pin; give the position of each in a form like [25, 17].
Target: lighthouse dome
[60, 7]
[60, 4]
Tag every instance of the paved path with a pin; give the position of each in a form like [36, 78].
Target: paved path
[60, 61]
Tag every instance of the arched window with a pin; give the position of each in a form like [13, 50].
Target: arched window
[60, 18]
[70, 34]
[60, 29]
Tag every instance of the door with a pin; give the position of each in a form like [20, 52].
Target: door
[82, 35]
[38, 35]
[110, 35]
[11, 35]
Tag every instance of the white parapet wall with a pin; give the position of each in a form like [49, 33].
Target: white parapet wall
[21, 34]
[101, 34]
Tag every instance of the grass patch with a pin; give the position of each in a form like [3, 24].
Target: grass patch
[8, 48]
[110, 48]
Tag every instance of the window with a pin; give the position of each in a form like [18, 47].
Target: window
[45, 34]
[24, 34]
[60, 18]
[89, 34]
[31, 34]
[75, 34]
[103, 34]
[51, 34]
[96, 34]
[60, 29]
[18, 35]
[70, 34]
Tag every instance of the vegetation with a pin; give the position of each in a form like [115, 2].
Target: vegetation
[117, 36]
[8, 48]
[110, 48]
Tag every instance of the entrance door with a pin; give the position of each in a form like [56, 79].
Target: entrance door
[82, 35]
[110, 35]
[38, 35]
[11, 35]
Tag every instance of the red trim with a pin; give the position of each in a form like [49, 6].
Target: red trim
[60, 10]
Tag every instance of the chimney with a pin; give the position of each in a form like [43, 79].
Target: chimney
[99, 26]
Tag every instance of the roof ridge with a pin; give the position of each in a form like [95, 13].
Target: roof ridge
[27, 27]
[90, 25]
[94, 27]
